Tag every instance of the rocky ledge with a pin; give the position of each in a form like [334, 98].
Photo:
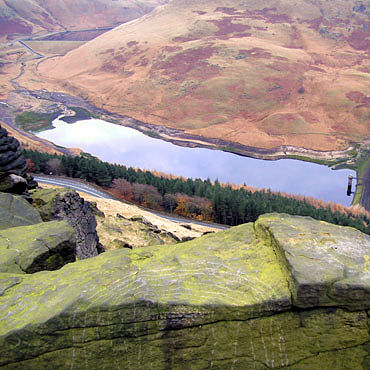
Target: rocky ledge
[66, 204]
[285, 292]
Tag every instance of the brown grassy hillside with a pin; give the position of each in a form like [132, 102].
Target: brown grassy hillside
[263, 73]
[25, 17]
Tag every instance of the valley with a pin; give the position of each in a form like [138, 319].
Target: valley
[173, 184]
[269, 80]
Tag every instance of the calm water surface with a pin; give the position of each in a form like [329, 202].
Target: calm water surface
[123, 145]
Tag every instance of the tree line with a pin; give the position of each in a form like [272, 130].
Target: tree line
[196, 198]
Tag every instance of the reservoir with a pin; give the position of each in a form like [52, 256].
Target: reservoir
[118, 144]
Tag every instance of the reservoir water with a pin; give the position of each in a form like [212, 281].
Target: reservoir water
[126, 146]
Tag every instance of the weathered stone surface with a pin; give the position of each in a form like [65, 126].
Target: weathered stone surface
[66, 204]
[16, 211]
[13, 184]
[222, 301]
[322, 339]
[44, 246]
[13, 166]
[11, 158]
[327, 265]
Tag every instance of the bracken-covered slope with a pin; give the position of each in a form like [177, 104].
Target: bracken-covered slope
[25, 17]
[263, 73]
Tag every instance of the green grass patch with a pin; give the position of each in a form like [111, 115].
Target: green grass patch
[312, 160]
[339, 163]
[230, 149]
[80, 115]
[35, 121]
[113, 120]
[152, 134]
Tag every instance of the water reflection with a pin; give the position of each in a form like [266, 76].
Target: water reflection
[118, 144]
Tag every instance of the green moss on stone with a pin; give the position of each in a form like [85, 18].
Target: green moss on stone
[16, 211]
[45, 200]
[27, 249]
[324, 264]
[220, 301]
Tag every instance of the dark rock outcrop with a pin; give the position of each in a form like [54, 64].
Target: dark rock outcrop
[65, 204]
[11, 159]
[52, 204]
[13, 184]
[13, 177]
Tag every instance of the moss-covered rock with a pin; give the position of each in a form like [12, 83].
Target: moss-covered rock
[44, 246]
[16, 211]
[222, 301]
[13, 184]
[327, 265]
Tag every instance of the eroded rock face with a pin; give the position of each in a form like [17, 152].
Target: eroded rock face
[11, 158]
[225, 300]
[13, 176]
[65, 204]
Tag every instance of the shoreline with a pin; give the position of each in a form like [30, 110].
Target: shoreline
[181, 138]
[334, 159]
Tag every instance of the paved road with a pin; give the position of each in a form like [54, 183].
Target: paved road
[43, 37]
[38, 55]
[79, 186]
[75, 185]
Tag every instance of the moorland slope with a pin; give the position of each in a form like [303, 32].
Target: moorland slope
[261, 73]
[26, 17]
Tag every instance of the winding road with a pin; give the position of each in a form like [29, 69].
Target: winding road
[38, 55]
[73, 184]
[40, 37]
[92, 190]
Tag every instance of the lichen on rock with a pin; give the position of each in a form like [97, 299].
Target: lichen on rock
[231, 299]
[16, 211]
[43, 246]
[328, 265]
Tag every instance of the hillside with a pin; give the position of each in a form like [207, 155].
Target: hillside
[263, 73]
[26, 17]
